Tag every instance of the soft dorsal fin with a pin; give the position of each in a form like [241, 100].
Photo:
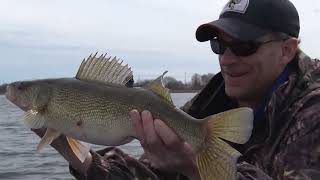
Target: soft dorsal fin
[104, 70]
[158, 88]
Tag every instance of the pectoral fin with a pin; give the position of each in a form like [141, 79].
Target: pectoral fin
[32, 119]
[80, 149]
[48, 137]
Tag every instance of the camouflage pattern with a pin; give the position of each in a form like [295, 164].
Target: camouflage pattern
[291, 149]
[285, 143]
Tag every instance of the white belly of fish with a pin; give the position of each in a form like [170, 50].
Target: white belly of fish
[108, 134]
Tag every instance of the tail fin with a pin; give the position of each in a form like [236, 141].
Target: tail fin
[217, 161]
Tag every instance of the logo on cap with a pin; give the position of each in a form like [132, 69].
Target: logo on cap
[239, 6]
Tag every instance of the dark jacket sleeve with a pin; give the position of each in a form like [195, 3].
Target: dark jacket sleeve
[111, 163]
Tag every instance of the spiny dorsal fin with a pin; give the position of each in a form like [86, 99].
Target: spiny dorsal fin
[158, 88]
[104, 70]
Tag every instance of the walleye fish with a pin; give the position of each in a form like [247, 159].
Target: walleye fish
[93, 107]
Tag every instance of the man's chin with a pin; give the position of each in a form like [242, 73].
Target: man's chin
[237, 93]
[233, 92]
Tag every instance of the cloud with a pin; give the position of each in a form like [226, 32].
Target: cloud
[150, 35]
[138, 24]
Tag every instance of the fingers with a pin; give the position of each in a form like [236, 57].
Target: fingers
[137, 123]
[169, 138]
[153, 133]
[144, 127]
[163, 148]
[152, 139]
[145, 130]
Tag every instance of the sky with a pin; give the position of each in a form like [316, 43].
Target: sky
[50, 38]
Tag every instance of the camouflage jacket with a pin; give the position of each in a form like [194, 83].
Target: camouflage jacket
[285, 143]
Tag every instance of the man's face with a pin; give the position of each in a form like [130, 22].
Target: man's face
[248, 78]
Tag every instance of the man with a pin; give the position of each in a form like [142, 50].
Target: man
[263, 68]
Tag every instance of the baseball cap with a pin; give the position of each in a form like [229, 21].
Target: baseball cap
[247, 20]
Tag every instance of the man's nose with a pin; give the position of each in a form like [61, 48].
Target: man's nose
[228, 57]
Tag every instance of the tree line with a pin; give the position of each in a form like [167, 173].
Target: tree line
[197, 82]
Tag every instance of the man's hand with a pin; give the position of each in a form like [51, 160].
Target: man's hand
[61, 145]
[162, 146]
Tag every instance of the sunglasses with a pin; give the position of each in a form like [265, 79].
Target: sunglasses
[238, 48]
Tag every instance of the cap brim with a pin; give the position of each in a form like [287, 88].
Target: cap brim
[233, 27]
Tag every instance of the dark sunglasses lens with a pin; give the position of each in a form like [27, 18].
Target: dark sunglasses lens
[244, 49]
[239, 49]
[216, 46]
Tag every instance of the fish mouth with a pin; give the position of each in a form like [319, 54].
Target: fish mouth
[11, 95]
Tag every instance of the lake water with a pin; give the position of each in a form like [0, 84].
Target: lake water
[20, 161]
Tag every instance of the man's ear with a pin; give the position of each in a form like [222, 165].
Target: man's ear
[289, 50]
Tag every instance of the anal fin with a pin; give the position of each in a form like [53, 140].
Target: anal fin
[80, 149]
